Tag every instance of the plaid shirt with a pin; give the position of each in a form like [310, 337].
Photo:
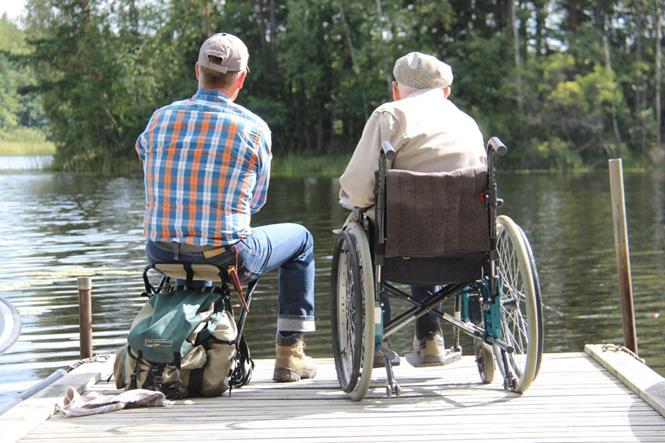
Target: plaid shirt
[206, 166]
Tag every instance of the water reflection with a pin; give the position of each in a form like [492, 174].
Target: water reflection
[55, 227]
[25, 162]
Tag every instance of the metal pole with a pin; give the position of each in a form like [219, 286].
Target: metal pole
[622, 255]
[85, 316]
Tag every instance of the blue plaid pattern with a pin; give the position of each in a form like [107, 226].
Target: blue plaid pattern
[206, 166]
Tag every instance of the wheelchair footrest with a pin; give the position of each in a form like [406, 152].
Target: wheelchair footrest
[417, 361]
[382, 352]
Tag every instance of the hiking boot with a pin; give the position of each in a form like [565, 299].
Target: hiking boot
[429, 351]
[291, 363]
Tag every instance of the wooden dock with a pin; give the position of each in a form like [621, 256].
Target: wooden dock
[574, 399]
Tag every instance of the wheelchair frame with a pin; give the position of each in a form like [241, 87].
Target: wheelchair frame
[483, 308]
[244, 365]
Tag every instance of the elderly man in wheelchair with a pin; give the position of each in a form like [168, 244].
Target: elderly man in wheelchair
[423, 195]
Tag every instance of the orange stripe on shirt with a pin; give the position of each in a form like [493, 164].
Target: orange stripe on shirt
[226, 163]
[168, 170]
[194, 184]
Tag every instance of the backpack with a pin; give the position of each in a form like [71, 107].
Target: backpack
[184, 343]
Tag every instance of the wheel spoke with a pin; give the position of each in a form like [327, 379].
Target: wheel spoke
[518, 303]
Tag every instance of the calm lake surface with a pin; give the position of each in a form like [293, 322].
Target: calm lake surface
[55, 227]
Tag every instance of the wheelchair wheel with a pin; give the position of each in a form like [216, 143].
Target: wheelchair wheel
[521, 307]
[539, 302]
[352, 311]
[484, 360]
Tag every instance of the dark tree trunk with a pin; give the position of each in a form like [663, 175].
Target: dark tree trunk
[572, 16]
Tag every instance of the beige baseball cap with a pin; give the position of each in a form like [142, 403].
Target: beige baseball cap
[422, 71]
[223, 53]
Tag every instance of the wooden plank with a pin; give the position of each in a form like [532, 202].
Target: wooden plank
[573, 399]
[637, 376]
[324, 422]
[30, 413]
[442, 437]
[387, 432]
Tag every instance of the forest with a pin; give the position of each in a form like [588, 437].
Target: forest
[566, 83]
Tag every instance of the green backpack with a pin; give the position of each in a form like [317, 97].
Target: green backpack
[182, 343]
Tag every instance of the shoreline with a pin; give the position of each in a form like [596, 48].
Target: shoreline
[24, 149]
[283, 165]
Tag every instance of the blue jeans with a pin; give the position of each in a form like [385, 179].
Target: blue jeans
[288, 247]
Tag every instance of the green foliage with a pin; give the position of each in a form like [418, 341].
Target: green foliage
[554, 153]
[294, 165]
[16, 110]
[31, 135]
[565, 84]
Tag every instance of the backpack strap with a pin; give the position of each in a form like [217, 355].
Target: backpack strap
[173, 390]
[232, 272]
[244, 366]
[190, 274]
[133, 379]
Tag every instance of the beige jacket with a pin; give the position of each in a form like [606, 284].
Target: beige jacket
[429, 133]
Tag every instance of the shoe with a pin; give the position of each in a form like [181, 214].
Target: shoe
[430, 351]
[380, 359]
[291, 363]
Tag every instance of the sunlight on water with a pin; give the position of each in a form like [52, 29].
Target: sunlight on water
[56, 227]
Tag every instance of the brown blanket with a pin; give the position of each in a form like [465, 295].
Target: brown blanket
[436, 214]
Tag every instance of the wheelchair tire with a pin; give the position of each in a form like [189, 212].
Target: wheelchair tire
[352, 311]
[539, 301]
[521, 307]
[484, 360]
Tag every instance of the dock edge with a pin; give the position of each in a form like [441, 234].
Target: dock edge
[21, 419]
[632, 372]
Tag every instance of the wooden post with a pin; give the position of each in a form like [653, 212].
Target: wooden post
[85, 316]
[622, 255]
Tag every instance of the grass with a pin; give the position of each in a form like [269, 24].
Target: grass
[302, 165]
[26, 148]
[25, 141]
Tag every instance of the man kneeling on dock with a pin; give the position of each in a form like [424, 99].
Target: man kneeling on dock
[206, 162]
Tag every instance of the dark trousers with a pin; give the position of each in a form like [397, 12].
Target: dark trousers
[428, 324]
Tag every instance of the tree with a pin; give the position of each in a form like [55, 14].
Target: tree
[565, 82]
[16, 109]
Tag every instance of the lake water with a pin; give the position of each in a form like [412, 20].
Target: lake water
[56, 227]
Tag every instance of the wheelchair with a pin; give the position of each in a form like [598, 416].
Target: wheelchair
[436, 229]
[225, 280]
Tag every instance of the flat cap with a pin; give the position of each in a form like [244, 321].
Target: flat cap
[422, 71]
[223, 53]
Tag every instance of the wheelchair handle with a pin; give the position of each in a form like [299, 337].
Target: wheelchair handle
[496, 145]
[388, 150]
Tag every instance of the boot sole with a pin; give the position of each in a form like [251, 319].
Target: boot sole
[286, 375]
